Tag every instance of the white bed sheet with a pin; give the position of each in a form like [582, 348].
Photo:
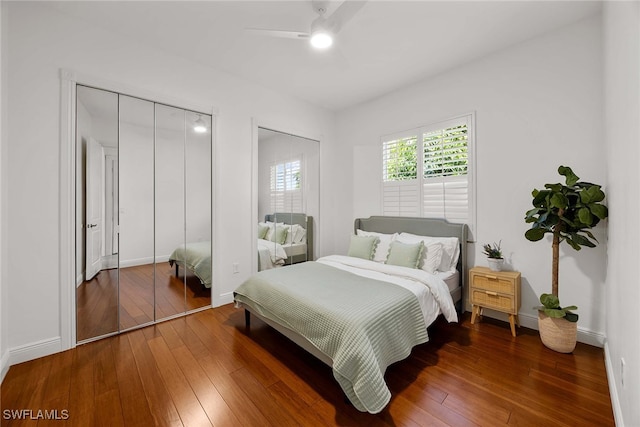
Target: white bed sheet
[270, 254]
[431, 291]
[293, 249]
[451, 278]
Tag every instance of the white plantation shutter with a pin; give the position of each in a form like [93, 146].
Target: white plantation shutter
[401, 186]
[401, 198]
[286, 186]
[442, 184]
[445, 173]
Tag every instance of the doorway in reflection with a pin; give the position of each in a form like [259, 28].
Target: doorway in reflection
[143, 212]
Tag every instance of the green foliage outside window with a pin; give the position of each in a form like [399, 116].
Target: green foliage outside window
[445, 152]
[401, 159]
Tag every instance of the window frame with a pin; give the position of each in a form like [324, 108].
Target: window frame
[419, 182]
[287, 195]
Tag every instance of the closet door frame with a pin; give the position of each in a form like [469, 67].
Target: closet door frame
[69, 79]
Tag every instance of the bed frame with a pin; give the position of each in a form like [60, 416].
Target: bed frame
[302, 219]
[388, 225]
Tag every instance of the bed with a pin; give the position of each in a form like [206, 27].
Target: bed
[195, 257]
[297, 245]
[361, 315]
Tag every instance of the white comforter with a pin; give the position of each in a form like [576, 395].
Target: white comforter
[421, 283]
[271, 254]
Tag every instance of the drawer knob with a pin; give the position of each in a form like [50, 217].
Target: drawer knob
[491, 277]
[495, 294]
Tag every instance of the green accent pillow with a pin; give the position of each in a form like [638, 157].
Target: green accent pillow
[263, 229]
[363, 246]
[279, 235]
[405, 254]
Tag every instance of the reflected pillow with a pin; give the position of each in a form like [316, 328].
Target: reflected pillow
[405, 254]
[382, 250]
[279, 235]
[296, 234]
[272, 226]
[363, 246]
[263, 229]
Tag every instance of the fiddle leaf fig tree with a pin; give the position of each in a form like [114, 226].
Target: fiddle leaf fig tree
[567, 212]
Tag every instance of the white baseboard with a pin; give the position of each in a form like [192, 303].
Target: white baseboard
[613, 390]
[34, 350]
[4, 365]
[143, 261]
[585, 336]
[222, 299]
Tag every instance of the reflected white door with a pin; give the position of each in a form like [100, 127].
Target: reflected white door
[93, 245]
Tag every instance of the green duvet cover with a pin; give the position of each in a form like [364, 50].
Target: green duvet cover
[363, 325]
[196, 257]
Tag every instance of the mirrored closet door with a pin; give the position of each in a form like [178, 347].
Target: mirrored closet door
[288, 198]
[143, 212]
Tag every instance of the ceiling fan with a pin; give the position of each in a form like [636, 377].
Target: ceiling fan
[323, 29]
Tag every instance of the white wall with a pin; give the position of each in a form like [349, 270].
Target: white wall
[538, 106]
[41, 41]
[622, 135]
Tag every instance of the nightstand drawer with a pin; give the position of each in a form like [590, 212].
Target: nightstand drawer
[493, 283]
[493, 300]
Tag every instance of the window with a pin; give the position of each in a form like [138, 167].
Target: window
[286, 186]
[427, 172]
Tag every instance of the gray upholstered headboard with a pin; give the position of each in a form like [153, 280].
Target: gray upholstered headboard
[421, 227]
[302, 219]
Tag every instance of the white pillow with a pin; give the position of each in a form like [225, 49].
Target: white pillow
[450, 248]
[431, 257]
[301, 235]
[291, 234]
[384, 243]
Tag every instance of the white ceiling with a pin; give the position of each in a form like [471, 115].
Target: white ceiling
[387, 44]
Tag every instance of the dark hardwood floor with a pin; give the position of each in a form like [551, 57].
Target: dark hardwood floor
[97, 299]
[207, 369]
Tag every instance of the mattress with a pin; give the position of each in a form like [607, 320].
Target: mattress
[294, 249]
[451, 278]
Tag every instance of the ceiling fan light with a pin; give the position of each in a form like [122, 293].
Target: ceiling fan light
[321, 39]
[199, 125]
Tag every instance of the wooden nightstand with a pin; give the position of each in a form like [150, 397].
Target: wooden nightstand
[497, 290]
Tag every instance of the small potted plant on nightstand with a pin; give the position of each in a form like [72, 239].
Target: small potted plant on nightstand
[494, 256]
[567, 212]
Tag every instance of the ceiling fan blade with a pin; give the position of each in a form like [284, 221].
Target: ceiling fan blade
[277, 33]
[344, 13]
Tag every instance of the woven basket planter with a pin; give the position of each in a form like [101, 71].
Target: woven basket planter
[557, 334]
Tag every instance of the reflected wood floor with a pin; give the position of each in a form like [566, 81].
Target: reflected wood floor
[97, 299]
[207, 369]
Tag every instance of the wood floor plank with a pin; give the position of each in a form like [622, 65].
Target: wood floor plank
[214, 405]
[135, 408]
[207, 368]
[261, 397]
[82, 388]
[186, 402]
[160, 404]
[246, 410]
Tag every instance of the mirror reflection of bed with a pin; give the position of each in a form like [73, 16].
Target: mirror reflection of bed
[284, 239]
[287, 199]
